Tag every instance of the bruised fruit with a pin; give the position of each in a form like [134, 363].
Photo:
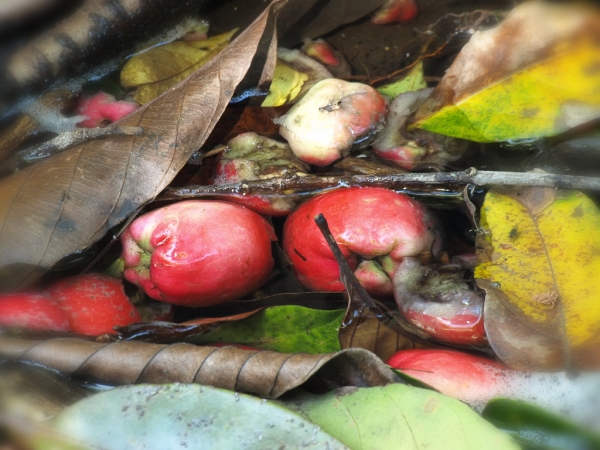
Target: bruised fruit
[333, 116]
[94, 303]
[375, 225]
[198, 252]
[439, 301]
[102, 107]
[411, 150]
[250, 156]
[453, 373]
[32, 310]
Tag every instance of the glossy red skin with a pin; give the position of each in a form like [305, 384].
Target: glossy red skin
[466, 329]
[396, 11]
[201, 252]
[102, 107]
[32, 310]
[94, 303]
[453, 373]
[369, 222]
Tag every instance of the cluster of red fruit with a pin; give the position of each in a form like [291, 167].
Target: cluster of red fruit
[200, 253]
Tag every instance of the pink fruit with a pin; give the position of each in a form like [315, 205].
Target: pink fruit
[467, 377]
[103, 107]
[250, 156]
[94, 303]
[373, 224]
[198, 252]
[32, 310]
[333, 116]
[438, 300]
[396, 11]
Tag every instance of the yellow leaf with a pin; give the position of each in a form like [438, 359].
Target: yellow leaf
[541, 273]
[413, 81]
[536, 74]
[286, 85]
[156, 70]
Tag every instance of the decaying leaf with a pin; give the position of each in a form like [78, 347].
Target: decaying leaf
[15, 133]
[160, 68]
[68, 201]
[534, 75]
[539, 261]
[400, 417]
[186, 416]
[286, 329]
[263, 373]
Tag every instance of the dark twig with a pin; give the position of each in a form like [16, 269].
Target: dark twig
[412, 181]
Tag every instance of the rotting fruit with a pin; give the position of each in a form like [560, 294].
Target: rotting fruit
[375, 225]
[331, 118]
[198, 252]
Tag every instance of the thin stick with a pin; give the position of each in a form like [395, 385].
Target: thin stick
[413, 181]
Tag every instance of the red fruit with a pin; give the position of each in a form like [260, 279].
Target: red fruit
[198, 252]
[94, 303]
[333, 115]
[103, 107]
[467, 377]
[438, 300]
[396, 11]
[32, 310]
[374, 224]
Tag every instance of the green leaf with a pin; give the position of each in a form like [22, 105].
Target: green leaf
[186, 416]
[286, 329]
[414, 81]
[400, 417]
[537, 428]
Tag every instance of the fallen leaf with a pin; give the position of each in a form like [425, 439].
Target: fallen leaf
[534, 75]
[286, 329]
[399, 417]
[263, 373]
[538, 263]
[70, 200]
[186, 416]
[413, 81]
[14, 133]
[160, 68]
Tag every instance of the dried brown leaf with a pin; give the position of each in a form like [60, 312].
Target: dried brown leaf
[263, 373]
[69, 201]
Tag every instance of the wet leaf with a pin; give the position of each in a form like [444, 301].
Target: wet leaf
[538, 263]
[186, 416]
[413, 81]
[534, 75]
[15, 133]
[286, 85]
[67, 202]
[286, 329]
[263, 373]
[536, 428]
[160, 68]
[400, 417]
